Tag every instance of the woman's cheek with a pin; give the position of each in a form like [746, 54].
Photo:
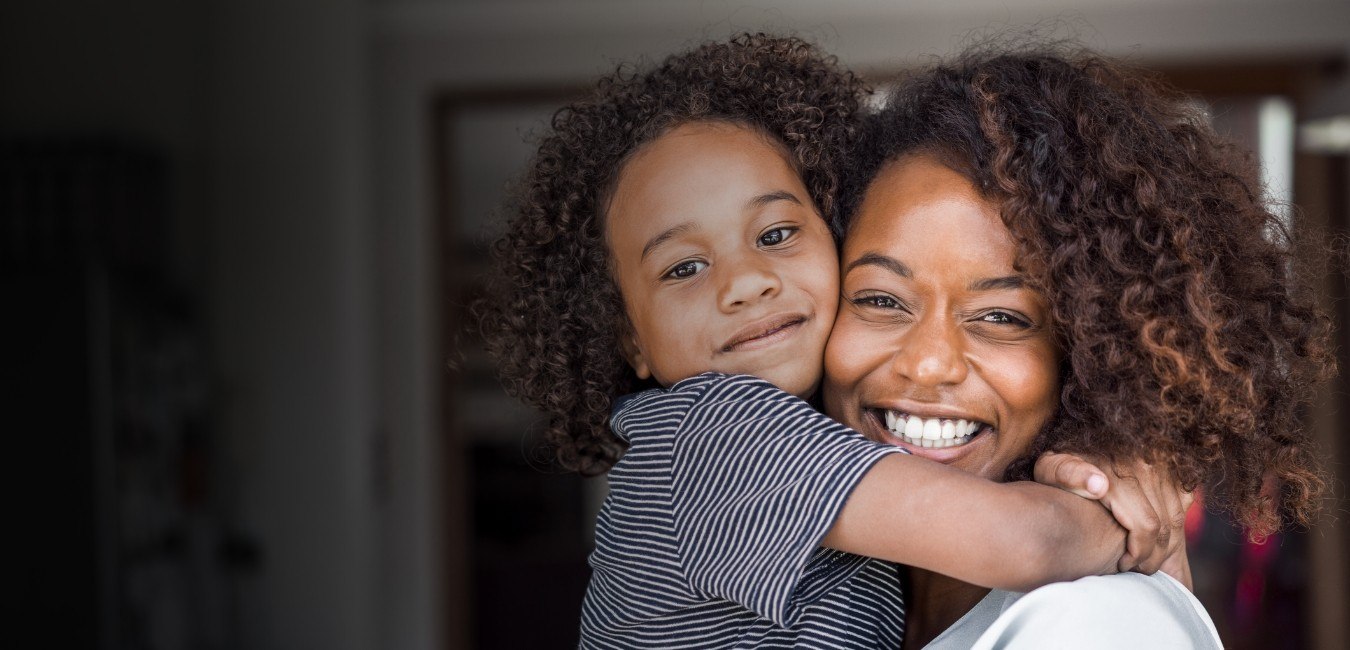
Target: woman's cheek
[1028, 381]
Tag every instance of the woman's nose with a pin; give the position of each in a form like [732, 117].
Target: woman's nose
[746, 282]
[930, 354]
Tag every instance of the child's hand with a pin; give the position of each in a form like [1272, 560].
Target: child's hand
[1145, 501]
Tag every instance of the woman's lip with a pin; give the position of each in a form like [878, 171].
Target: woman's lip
[764, 332]
[928, 411]
[877, 431]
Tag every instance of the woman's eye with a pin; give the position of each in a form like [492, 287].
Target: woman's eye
[879, 301]
[686, 269]
[776, 236]
[1003, 318]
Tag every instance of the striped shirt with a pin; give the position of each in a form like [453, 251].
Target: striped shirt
[710, 535]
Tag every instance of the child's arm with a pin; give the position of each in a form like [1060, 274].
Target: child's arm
[1014, 536]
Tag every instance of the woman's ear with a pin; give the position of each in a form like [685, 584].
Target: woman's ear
[632, 352]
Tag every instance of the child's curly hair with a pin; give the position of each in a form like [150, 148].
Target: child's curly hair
[1187, 337]
[552, 316]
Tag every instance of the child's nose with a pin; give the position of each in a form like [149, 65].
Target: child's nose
[930, 354]
[746, 283]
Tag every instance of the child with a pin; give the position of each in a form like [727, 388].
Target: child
[671, 235]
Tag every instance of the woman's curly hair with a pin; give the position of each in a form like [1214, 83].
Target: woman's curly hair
[1187, 337]
[552, 316]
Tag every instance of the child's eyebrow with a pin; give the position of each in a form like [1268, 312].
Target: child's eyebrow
[769, 197]
[665, 236]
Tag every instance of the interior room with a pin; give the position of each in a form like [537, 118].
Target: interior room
[240, 239]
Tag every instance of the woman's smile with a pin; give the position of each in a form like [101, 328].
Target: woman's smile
[940, 432]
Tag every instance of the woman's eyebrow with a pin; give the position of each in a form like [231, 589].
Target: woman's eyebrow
[994, 284]
[877, 259]
[769, 197]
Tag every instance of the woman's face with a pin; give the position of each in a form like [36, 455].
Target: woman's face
[939, 346]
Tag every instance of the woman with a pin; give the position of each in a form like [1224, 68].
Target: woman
[1061, 251]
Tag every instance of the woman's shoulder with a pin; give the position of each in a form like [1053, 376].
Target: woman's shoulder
[1126, 610]
[1158, 590]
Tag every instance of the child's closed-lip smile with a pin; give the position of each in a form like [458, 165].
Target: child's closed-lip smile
[765, 332]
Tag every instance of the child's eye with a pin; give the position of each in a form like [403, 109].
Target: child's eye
[776, 236]
[686, 269]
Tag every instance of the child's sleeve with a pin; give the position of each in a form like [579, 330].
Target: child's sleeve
[758, 479]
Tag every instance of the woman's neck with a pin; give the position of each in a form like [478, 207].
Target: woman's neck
[934, 602]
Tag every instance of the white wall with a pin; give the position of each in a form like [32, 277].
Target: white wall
[292, 313]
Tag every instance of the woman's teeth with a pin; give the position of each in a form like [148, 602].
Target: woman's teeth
[930, 432]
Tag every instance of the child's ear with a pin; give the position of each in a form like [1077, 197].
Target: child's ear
[634, 355]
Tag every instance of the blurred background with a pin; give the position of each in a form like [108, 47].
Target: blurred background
[237, 242]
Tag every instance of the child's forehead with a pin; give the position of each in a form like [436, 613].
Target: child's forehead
[697, 133]
[704, 168]
[728, 127]
[713, 153]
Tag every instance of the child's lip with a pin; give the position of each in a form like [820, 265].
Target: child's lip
[762, 330]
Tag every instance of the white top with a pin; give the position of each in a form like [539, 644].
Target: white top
[1122, 611]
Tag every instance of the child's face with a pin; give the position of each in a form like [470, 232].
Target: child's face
[724, 263]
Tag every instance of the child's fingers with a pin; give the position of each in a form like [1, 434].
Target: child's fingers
[1178, 565]
[1071, 473]
[1161, 497]
[1170, 503]
[1142, 531]
[1146, 537]
[1178, 502]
